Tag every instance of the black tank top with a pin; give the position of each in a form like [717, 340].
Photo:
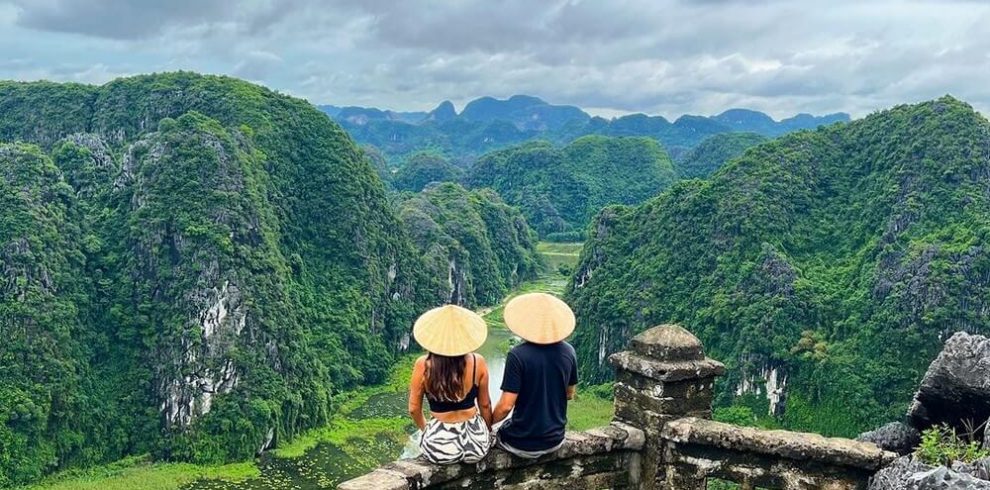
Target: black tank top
[438, 406]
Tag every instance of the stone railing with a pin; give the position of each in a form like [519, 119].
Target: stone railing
[661, 438]
[607, 457]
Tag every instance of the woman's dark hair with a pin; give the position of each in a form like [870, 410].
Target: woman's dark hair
[445, 377]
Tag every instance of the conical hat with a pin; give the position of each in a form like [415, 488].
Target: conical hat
[539, 318]
[450, 330]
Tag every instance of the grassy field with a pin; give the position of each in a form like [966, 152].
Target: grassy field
[557, 255]
[348, 425]
[139, 472]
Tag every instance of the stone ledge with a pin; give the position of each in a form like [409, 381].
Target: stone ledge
[799, 446]
[665, 370]
[406, 474]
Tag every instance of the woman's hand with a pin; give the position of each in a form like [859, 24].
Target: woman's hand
[416, 393]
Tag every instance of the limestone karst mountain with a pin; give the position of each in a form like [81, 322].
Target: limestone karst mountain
[826, 267]
[712, 153]
[486, 124]
[559, 189]
[192, 265]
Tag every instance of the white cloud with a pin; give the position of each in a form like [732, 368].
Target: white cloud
[668, 57]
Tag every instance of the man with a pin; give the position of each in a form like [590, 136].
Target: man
[540, 376]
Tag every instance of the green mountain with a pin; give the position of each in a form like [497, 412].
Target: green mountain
[524, 112]
[825, 267]
[193, 265]
[475, 248]
[486, 124]
[423, 168]
[559, 189]
[704, 159]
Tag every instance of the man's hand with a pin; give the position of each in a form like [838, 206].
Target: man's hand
[505, 405]
[571, 391]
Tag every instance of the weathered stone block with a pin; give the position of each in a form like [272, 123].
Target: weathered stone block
[377, 480]
[799, 446]
[668, 343]
[666, 370]
[682, 401]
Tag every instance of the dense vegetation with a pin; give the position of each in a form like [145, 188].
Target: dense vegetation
[474, 247]
[837, 259]
[559, 189]
[421, 169]
[488, 124]
[709, 156]
[192, 265]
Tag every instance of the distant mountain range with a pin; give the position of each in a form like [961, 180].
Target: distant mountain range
[488, 123]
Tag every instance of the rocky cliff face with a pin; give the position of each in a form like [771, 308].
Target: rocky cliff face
[207, 262]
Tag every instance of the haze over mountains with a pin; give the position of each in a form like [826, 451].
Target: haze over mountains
[488, 123]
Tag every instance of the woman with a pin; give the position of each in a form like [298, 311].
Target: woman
[454, 380]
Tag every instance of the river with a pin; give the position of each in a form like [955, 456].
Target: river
[376, 429]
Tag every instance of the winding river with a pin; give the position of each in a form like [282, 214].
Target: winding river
[328, 463]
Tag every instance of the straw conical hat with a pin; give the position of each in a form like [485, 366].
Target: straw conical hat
[450, 330]
[539, 318]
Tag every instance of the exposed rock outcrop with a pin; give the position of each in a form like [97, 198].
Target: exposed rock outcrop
[979, 468]
[897, 437]
[907, 473]
[956, 388]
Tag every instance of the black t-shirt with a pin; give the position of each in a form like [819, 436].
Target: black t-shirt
[540, 375]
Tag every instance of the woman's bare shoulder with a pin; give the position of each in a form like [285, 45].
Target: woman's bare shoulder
[480, 359]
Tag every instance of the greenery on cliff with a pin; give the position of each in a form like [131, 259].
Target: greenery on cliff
[474, 247]
[423, 168]
[192, 266]
[836, 259]
[709, 156]
[559, 189]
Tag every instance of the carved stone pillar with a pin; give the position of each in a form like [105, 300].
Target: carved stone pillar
[665, 376]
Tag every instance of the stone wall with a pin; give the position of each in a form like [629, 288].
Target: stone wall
[607, 457]
[661, 438]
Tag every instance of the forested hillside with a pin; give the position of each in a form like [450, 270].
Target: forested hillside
[475, 248]
[709, 156]
[825, 267]
[423, 168]
[192, 265]
[559, 189]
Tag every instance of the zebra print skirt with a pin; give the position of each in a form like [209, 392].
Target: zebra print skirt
[461, 442]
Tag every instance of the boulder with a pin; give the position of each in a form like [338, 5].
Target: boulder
[956, 388]
[979, 468]
[907, 473]
[896, 437]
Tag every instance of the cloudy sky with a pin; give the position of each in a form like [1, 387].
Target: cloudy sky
[666, 57]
